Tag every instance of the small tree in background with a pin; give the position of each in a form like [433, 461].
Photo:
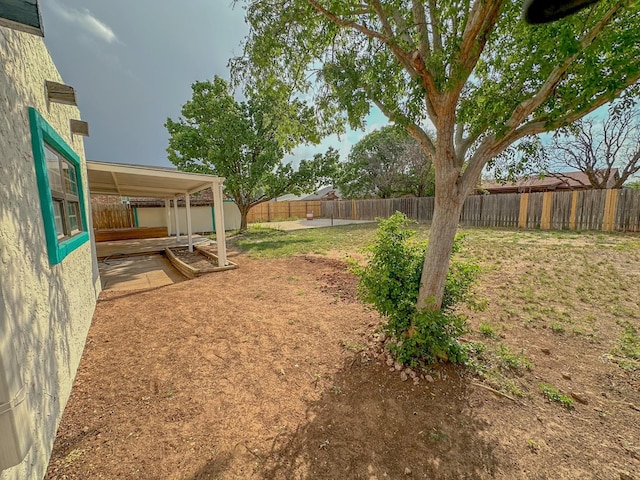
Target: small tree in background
[386, 163]
[245, 142]
[598, 146]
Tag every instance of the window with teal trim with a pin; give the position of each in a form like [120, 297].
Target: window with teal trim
[58, 172]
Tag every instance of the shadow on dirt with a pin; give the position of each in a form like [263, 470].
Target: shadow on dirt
[213, 469]
[370, 425]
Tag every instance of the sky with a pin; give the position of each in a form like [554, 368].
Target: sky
[132, 64]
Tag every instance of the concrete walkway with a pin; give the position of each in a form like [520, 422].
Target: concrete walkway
[303, 224]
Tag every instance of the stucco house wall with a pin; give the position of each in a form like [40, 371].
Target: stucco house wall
[45, 309]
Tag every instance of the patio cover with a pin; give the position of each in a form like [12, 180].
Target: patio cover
[159, 182]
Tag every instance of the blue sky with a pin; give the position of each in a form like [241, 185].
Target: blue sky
[132, 64]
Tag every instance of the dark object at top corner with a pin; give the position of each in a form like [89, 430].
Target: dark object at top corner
[546, 11]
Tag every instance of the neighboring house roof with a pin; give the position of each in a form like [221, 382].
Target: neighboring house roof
[555, 181]
[106, 199]
[289, 197]
[325, 193]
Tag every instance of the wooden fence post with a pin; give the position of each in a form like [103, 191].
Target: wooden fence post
[574, 210]
[353, 210]
[608, 219]
[524, 206]
[547, 203]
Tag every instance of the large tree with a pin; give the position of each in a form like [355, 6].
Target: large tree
[386, 163]
[245, 142]
[469, 69]
[599, 147]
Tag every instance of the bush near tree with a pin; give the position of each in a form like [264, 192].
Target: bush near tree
[390, 281]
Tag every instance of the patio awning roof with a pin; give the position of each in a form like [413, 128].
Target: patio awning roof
[144, 181]
[160, 182]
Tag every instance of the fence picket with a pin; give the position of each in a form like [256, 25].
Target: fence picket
[112, 215]
[581, 210]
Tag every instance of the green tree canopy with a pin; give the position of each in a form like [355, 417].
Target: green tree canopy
[470, 69]
[245, 142]
[386, 163]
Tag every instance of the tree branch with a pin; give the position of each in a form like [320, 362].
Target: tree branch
[402, 27]
[386, 26]
[481, 22]
[435, 27]
[488, 148]
[416, 132]
[423, 55]
[420, 21]
[526, 107]
[565, 179]
[491, 146]
[459, 140]
[348, 23]
[415, 69]
[423, 139]
[544, 124]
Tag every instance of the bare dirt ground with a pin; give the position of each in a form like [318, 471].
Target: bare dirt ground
[194, 259]
[270, 371]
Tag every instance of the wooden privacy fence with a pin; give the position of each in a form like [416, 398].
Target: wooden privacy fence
[109, 216]
[270, 211]
[606, 210]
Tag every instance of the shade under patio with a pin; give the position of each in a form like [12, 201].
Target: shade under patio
[160, 182]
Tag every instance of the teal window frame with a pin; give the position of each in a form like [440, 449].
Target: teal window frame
[41, 133]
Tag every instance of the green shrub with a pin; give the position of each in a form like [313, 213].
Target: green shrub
[390, 282]
[511, 360]
[629, 343]
[487, 330]
[554, 395]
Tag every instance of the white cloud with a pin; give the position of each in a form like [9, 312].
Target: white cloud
[85, 20]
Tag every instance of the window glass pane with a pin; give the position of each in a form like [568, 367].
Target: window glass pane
[53, 168]
[57, 213]
[73, 209]
[69, 174]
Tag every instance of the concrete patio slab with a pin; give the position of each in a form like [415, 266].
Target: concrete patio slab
[141, 272]
[304, 224]
[143, 246]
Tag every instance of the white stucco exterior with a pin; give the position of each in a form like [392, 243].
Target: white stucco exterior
[45, 310]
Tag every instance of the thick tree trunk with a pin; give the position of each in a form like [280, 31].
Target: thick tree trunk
[448, 206]
[244, 212]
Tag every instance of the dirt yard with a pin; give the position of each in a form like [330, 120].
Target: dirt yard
[272, 371]
[194, 259]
